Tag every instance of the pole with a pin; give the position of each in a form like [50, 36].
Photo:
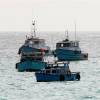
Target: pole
[75, 31]
[33, 28]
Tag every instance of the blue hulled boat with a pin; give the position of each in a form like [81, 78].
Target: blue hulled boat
[32, 53]
[57, 72]
[67, 50]
[30, 65]
[34, 44]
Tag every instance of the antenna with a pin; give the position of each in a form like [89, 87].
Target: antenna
[34, 29]
[66, 33]
[75, 31]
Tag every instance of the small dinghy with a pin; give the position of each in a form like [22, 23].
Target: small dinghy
[58, 71]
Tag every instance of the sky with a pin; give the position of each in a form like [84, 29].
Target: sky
[50, 15]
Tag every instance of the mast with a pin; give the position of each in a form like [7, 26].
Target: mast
[75, 31]
[66, 33]
[34, 29]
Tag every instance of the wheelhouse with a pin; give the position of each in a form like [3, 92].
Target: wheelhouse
[35, 42]
[56, 68]
[54, 71]
[68, 44]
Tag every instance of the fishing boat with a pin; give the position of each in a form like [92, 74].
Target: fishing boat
[31, 62]
[34, 44]
[32, 53]
[67, 50]
[57, 72]
[30, 65]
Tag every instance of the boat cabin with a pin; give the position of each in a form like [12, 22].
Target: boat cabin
[34, 42]
[67, 44]
[57, 68]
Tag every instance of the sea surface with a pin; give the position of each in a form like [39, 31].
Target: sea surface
[23, 86]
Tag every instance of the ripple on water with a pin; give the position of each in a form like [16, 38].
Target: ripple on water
[23, 86]
[87, 97]
[1, 98]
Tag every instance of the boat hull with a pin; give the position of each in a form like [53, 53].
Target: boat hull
[42, 77]
[30, 66]
[69, 55]
[27, 50]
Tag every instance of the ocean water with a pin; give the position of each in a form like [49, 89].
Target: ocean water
[23, 86]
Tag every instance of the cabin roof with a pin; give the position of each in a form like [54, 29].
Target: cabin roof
[34, 39]
[58, 62]
[67, 42]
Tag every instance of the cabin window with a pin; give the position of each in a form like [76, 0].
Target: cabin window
[55, 65]
[58, 45]
[66, 45]
[36, 42]
[47, 71]
[62, 45]
[62, 71]
[58, 71]
[53, 71]
[50, 65]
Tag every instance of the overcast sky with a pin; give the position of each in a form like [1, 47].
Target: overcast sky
[50, 15]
